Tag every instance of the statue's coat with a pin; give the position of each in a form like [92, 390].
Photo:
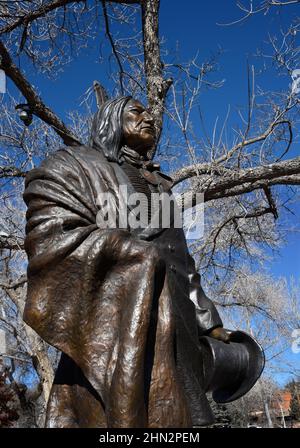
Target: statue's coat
[125, 312]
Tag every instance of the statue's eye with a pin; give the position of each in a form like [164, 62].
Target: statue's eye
[135, 111]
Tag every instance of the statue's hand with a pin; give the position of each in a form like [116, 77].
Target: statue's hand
[220, 334]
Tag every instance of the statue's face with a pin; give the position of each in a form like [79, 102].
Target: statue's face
[138, 127]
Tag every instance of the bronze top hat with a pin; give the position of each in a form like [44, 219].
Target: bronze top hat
[231, 370]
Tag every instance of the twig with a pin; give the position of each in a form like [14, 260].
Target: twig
[112, 43]
[34, 101]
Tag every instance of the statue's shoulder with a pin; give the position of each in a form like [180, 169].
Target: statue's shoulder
[82, 155]
[70, 161]
[87, 155]
[83, 152]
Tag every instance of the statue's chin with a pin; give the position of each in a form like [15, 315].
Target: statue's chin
[145, 147]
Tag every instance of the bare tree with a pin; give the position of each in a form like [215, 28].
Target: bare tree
[248, 176]
[249, 8]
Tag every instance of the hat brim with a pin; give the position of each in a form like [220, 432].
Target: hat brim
[251, 370]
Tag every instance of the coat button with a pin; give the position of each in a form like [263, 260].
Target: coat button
[171, 248]
[173, 267]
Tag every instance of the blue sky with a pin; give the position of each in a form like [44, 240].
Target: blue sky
[194, 26]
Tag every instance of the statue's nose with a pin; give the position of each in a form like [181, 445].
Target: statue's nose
[148, 117]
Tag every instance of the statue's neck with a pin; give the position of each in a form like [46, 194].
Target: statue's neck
[134, 158]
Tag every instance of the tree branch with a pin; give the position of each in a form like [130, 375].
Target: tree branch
[112, 43]
[33, 15]
[11, 243]
[14, 285]
[251, 176]
[248, 187]
[11, 171]
[271, 201]
[44, 9]
[34, 101]
[250, 305]
[157, 86]
[250, 215]
[194, 170]
[280, 3]
[197, 170]
[231, 178]
[233, 183]
[263, 6]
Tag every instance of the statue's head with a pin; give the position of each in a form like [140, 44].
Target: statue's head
[119, 122]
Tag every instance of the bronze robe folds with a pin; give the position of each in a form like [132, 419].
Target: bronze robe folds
[125, 312]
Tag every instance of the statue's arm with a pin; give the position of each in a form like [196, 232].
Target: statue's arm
[65, 246]
[208, 319]
[62, 210]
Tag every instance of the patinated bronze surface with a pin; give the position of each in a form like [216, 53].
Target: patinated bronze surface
[124, 306]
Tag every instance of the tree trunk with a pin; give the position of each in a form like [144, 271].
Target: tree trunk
[157, 86]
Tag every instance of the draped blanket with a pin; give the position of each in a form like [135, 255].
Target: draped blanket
[102, 297]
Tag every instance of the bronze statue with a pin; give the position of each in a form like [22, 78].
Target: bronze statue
[123, 305]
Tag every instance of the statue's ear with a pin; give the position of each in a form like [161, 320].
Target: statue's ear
[101, 94]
